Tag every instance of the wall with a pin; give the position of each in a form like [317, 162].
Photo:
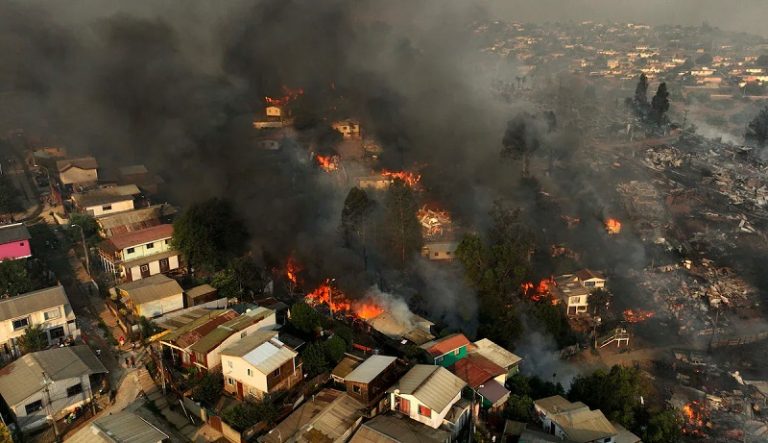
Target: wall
[452, 357]
[237, 371]
[15, 250]
[213, 358]
[434, 421]
[134, 273]
[99, 210]
[141, 251]
[38, 318]
[157, 308]
[60, 403]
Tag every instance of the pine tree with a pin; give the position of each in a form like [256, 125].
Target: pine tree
[757, 130]
[660, 103]
[641, 92]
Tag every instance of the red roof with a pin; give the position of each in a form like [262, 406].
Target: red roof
[446, 344]
[192, 337]
[476, 370]
[141, 237]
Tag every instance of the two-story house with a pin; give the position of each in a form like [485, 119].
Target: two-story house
[104, 201]
[591, 279]
[135, 220]
[48, 308]
[207, 350]
[574, 422]
[140, 254]
[71, 373]
[448, 350]
[14, 242]
[184, 331]
[259, 364]
[569, 291]
[429, 395]
[152, 296]
[368, 382]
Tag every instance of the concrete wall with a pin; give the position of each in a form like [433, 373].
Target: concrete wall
[141, 251]
[60, 402]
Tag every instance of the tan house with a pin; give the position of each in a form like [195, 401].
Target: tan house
[140, 254]
[79, 171]
[152, 296]
[368, 382]
[104, 201]
[135, 220]
[445, 250]
[347, 128]
[574, 422]
[259, 364]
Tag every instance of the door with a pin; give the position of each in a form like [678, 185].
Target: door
[239, 390]
[215, 422]
[144, 271]
[403, 405]
[164, 265]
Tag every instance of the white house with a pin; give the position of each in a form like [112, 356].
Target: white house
[591, 279]
[427, 394]
[574, 422]
[207, 350]
[140, 254]
[70, 373]
[48, 308]
[78, 171]
[568, 290]
[152, 296]
[106, 201]
[440, 250]
[347, 128]
[259, 364]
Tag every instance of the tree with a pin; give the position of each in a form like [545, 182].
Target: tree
[521, 140]
[5, 434]
[34, 339]
[314, 359]
[248, 273]
[402, 231]
[208, 389]
[641, 93]
[14, 278]
[246, 414]
[616, 393]
[357, 208]
[334, 348]
[227, 284]
[660, 103]
[519, 407]
[663, 427]
[209, 234]
[304, 318]
[9, 196]
[553, 319]
[87, 223]
[762, 61]
[757, 130]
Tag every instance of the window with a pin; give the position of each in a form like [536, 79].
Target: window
[150, 245]
[21, 323]
[21, 244]
[436, 254]
[589, 284]
[106, 208]
[438, 360]
[276, 372]
[456, 352]
[250, 373]
[34, 407]
[575, 300]
[74, 390]
[130, 250]
[230, 381]
[167, 241]
[425, 411]
[56, 333]
[50, 315]
[144, 268]
[356, 389]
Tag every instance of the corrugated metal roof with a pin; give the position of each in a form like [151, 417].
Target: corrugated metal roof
[152, 288]
[387, 428]
[345, 366]
[225, 330]
[23, 377]
[476, 370]
[88, 162]
[30, 302]
[155, 233]
[446, 344]
[496, 353]
[127, 427]
[249, 343]
[199, 291]
[370, 369]
[102, 196]
[432, 385]
[579, 423]
[335, 420]
[13, 233]
[269, 356]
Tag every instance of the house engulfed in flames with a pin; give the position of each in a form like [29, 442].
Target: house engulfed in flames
[612, 226]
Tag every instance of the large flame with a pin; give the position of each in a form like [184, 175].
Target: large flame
[637, 315]
[538, 292]
[695, 418]
[434, 222]
[367, 309]
[329, 163]
[612, 226]
[288, 96]
[409, 178]
[339, 303]
[292, 270]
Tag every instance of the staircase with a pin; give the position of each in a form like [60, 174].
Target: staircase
[155, 395]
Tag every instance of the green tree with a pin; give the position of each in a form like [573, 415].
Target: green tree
[9, 196]
[314, 359]
[519, 407]
[305, 318]
[521, 140]
[5, 434]
[757, 130]
[87, 223]
[34, 339]
[663, 427]
[248, 273]
[209, 234]
[209, 388]
[616, 392]
[14, 278]
[334, 348]
[553, 319]
[246, 414]
[227, 283]
[354, 216]
[660, 103]
[401, 230]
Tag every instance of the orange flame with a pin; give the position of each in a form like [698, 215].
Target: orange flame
[637, 315]
[409, 178]
[288, 96]
[694, 415]
[329, 163]
[537, 292]
[292, 270]
[367, 310]
[339, 303]
[612, 226]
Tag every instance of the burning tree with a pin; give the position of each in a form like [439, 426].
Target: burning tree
[327, 163]
[538, 292]
[409, 178]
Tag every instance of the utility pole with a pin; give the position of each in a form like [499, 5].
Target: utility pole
[47, 382]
